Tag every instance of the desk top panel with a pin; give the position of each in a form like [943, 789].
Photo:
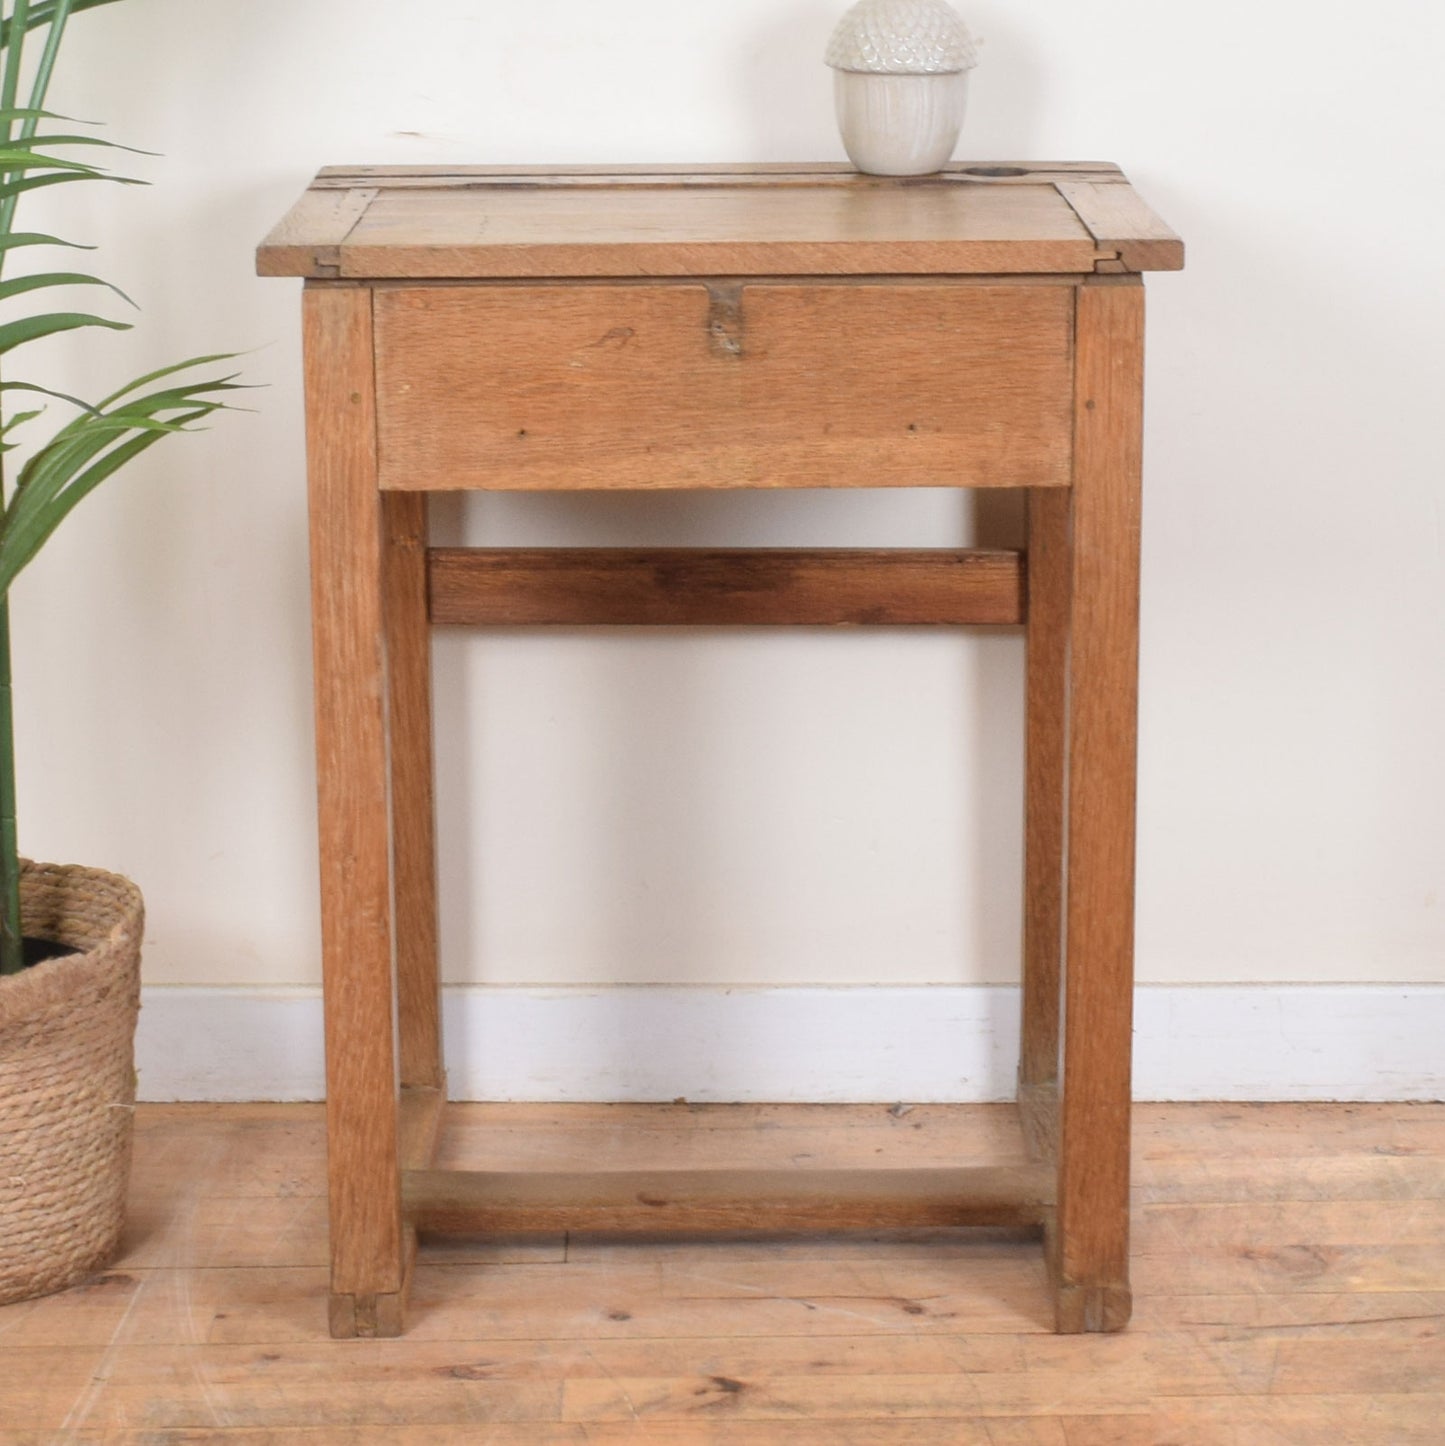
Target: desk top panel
[433, 222]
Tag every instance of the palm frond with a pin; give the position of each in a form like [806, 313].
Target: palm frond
[86, 452]
[37, 238]
[11, 189]
[98, 442]
[42, 279]
[45, 12]
[32, 328]
[47, 392]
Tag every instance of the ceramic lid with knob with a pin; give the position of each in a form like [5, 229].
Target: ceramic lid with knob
[902, 37]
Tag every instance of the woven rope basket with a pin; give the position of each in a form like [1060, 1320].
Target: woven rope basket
[67, 1080]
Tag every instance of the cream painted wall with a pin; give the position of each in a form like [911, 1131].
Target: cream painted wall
[801, 808]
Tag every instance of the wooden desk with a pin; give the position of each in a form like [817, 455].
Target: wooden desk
[765, 326]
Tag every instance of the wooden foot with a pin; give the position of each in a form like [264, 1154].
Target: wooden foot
[1081, 1308]
[367, 1317]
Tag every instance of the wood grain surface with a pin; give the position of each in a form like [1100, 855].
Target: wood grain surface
[352, 787]
[712, 173]
[307, 240]
[1045, 772]
[530, 587]
[732, 1201]
[974, 218]
[674, 386]
[413, 796]
[1119, 220]
[1289, 1291]
[718, 230]
[1093, 1197]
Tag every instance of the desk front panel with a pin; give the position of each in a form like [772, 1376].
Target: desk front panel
[694, 384]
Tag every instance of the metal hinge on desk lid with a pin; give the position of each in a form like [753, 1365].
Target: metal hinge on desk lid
[725, 319]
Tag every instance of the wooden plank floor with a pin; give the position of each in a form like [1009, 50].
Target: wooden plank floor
[1289, 1285]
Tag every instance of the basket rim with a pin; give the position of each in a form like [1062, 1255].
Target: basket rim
[48, 984]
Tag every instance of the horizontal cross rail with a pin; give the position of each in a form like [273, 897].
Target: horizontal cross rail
[581, 587]
[728, 1201]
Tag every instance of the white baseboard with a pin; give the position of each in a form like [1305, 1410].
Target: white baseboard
[833, 1045]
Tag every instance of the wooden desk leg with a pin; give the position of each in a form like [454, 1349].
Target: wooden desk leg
[1091, 1247]
[413, 810]
[367, 1256]
[1047, 690]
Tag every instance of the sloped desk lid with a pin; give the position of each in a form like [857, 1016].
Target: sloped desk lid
[419, 222]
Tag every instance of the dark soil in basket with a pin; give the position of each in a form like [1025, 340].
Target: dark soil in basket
[37, 951]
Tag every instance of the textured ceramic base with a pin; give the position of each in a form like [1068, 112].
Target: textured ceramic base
[899, 125]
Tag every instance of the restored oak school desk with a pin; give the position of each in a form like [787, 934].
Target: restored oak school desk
[760, 326]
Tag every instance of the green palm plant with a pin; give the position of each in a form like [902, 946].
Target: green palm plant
[35, 153]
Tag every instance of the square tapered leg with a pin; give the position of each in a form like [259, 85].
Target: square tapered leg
[368, 1254]
[1090, 1245]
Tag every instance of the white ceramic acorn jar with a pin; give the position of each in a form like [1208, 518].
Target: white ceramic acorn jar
[901, 84]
